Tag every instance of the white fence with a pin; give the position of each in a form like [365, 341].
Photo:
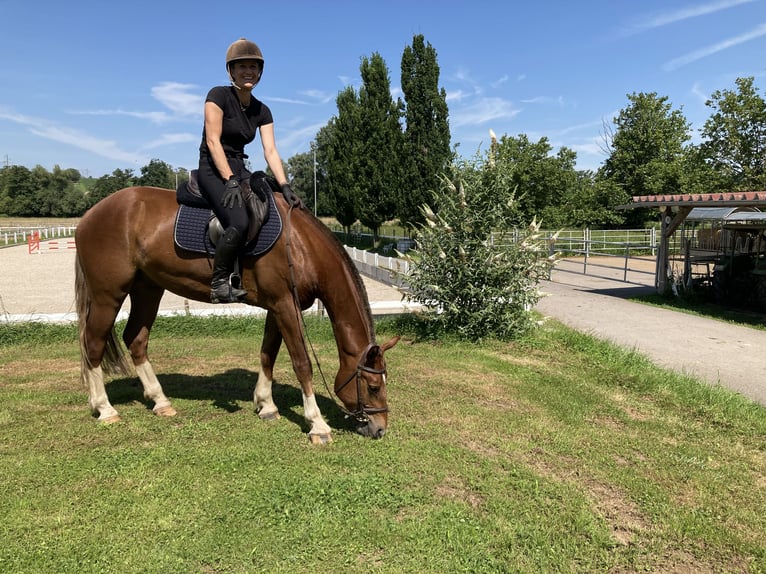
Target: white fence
[21, 235]
[622, 254]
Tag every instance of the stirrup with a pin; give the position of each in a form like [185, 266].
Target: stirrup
[227, 291]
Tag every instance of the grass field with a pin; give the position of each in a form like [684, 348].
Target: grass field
[558, 453]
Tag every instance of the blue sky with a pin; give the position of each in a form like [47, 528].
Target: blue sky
[98, 85]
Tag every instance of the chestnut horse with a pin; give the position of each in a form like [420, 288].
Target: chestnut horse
[125, 247]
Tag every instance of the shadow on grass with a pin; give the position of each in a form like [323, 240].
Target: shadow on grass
[227, 391]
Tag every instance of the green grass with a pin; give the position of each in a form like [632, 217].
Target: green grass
[558, 453]
[695, 306]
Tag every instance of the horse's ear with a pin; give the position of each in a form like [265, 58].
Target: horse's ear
[386, 346]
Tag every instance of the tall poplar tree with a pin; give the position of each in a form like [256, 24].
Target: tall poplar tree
[338, 147]
[427, 134]
[379, 165]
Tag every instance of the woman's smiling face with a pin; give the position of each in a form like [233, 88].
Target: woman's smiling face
[246, 73]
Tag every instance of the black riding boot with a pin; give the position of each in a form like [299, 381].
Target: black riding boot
[222, 288]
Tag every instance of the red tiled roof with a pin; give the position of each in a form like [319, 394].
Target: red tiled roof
[700, 199]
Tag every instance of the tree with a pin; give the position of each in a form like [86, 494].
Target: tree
[108, 184]
[536, 178]
[157, 173]
[647, 150]
[427, 135]
[338, 150]
[378, 170]
[588, 203]
[734, 137]
[300, 169]
[18, 191]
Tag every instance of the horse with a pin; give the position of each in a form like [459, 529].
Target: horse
[125, 248]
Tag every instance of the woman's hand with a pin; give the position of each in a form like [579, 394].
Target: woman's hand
[291, 197]
[233, 194]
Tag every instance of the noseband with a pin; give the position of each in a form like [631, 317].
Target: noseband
[361, 413]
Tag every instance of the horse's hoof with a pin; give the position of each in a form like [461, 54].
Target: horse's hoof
[320, 438]
[270, 416]
[110, 420]
[167, 411]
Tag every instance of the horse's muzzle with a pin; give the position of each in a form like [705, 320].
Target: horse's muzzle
[371, 429]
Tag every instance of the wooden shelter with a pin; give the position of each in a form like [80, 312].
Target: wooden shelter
[675, 209]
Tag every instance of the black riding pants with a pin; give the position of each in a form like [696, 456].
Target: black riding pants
[213, 188]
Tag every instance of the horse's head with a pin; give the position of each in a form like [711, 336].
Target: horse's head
[363, 392]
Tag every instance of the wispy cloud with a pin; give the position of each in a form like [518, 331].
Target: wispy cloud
[171, 139]
[456, 95]
[483, 111]
[319, 96]
[44, 128]
[285, 100]
[676, 63]
[544, 100]
[500, 81]
[697, 91]
[181, 99]
[666, 18]
[154, 117]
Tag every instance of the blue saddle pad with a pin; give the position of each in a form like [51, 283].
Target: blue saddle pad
[190, 231]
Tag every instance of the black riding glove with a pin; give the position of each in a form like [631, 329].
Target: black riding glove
[233, 196]
[290, 196]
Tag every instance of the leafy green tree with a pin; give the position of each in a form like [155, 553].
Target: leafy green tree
[338, 149]
[698, 174]
[45, 192]
[536, 177]
[475, 282]
[378, 170]
[734, 137]
[300, 168]
[646, 150]
[157, 173]
[588, 203]
[427, 134]
[18, 191]
[108, 184]
[181, 175]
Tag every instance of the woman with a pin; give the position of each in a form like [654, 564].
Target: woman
[232, 116]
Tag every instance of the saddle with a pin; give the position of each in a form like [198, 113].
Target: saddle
[197, 229]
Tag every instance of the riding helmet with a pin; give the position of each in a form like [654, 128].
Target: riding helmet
[243, 49]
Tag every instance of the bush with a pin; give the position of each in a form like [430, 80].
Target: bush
[475, 280]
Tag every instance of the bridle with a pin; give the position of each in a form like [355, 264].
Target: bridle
[362, 412]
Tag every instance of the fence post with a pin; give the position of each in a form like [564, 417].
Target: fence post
[627, 256]
[586, 245]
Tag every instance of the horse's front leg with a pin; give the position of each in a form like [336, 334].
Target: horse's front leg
[262, 397]
[288, 324]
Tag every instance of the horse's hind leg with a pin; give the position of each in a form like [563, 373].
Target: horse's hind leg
[272, 340]
[94, 375]
[145, 299]
[97, 339]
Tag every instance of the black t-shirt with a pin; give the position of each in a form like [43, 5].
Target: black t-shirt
[239, 126]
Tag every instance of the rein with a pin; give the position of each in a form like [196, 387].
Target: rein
[360, 414]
